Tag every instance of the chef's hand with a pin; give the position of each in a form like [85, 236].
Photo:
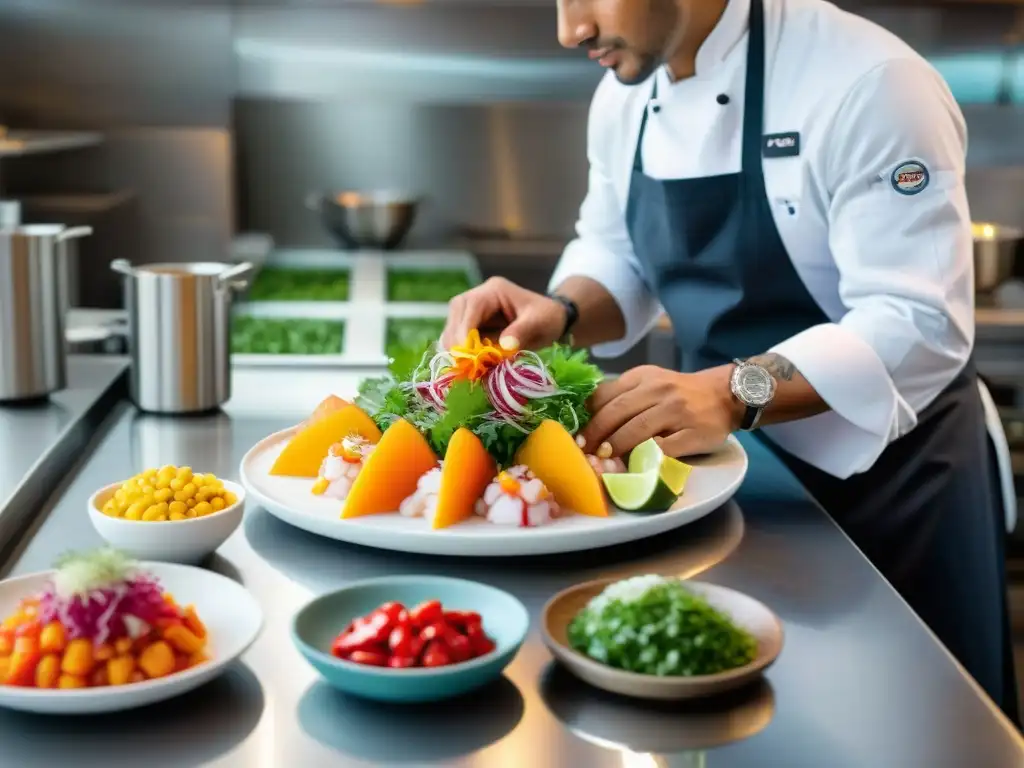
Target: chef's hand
[687, 413]
[522, 319]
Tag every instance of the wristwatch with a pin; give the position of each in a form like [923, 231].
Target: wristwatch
[753, 386]
[572, 314]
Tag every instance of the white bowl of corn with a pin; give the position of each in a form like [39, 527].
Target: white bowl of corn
[171, 514]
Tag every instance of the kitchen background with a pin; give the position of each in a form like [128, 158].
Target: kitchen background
[193, 121]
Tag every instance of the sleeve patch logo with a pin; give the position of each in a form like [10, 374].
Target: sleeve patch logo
[910, 177]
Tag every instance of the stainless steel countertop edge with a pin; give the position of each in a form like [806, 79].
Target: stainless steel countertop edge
[47, 475]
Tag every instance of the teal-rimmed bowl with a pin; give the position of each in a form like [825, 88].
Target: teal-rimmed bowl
[316, 625]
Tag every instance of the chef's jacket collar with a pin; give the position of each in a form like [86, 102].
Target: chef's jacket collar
[726, 35]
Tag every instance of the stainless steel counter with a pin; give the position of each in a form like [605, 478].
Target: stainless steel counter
[860, 681]
[38, 440]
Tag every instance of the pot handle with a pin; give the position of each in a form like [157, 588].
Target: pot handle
[123, 267]
[74, 233]
[230, 277]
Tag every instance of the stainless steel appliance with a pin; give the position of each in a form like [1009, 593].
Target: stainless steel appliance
[377, 220]
[33, 303]
[179, 326]
[998, 253]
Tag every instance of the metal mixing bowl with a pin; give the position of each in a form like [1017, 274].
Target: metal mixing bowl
[998, 255]
[377, 220]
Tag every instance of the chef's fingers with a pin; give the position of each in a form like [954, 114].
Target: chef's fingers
[687, 442]
[470, 310]
[611, 416]
[647, 424]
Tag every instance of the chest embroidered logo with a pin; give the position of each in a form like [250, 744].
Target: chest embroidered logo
[910, 177]
[781, 145]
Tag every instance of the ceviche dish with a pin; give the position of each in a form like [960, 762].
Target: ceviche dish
[100, 621]
[477, 432]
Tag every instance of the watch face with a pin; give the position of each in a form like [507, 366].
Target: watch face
[754, 386]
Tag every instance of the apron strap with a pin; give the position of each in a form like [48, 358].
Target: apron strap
[753, 96]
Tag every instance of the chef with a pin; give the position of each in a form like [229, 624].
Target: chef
[786, 182]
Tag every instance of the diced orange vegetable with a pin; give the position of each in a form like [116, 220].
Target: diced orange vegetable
[181, 639]
[48, 671]
[167, 621]
[71, 681]
[5, 663]
[120, 669]
[103, 652]
[197, 658]
[99, 677]
[137, 676]
[194, 623]
[12, 621]
[157, 660]
[22, 668]
[31, 628]
[53, 638]
[6, 642]
[78, 659]
[122, 645]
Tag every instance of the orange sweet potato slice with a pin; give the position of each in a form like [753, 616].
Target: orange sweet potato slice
[468, 468]
[551, 453]
[327, 406]
[391, 472]
[304, 453]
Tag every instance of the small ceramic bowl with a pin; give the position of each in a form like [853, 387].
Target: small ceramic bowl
[315, 627]
[745, 611]
[174, 541]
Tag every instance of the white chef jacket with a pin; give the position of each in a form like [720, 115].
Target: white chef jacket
[892, 271]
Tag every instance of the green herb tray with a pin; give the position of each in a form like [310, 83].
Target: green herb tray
[373, 305]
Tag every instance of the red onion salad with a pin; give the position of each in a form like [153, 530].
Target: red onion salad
[510, 386]
[103, 596]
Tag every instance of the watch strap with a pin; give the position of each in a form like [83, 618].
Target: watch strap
[751, 418]
[572, 313]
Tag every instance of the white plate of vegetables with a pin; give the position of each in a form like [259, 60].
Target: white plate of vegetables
[657, 637]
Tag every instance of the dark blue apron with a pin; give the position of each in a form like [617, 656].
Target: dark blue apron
[926, 514]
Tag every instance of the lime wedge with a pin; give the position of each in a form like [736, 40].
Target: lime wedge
[639, 491]
[648, 457]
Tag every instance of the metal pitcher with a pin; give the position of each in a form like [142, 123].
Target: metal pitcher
[33, 305]
[179, 326]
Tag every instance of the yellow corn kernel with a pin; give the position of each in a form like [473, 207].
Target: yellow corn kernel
[152, 514]
[205, 494]
[199, 481]
[157, 660]
[119, 496]
[13, 621]
[71, 681]
[190, 513]
[122, 645]
[184, 474]
[148, 490]
[53, 638]
[211, 479]
[163, 494]
[134, 512]
[103, 652]
[48, 671]
[177, 508]
[203, 509]
[77, 658]
[182, 639]
[190, 503]
[319, 487]
[176, 516]
[217, 503]
[120, 669]
[230, 499]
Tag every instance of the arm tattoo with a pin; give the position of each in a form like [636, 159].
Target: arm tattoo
[776, 365]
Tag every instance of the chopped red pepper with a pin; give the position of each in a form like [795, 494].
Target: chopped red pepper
[426, 636]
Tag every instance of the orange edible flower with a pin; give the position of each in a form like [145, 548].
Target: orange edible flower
[477, 356]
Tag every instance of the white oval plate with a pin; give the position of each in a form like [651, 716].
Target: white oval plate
[715, 478]
[232, 617]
